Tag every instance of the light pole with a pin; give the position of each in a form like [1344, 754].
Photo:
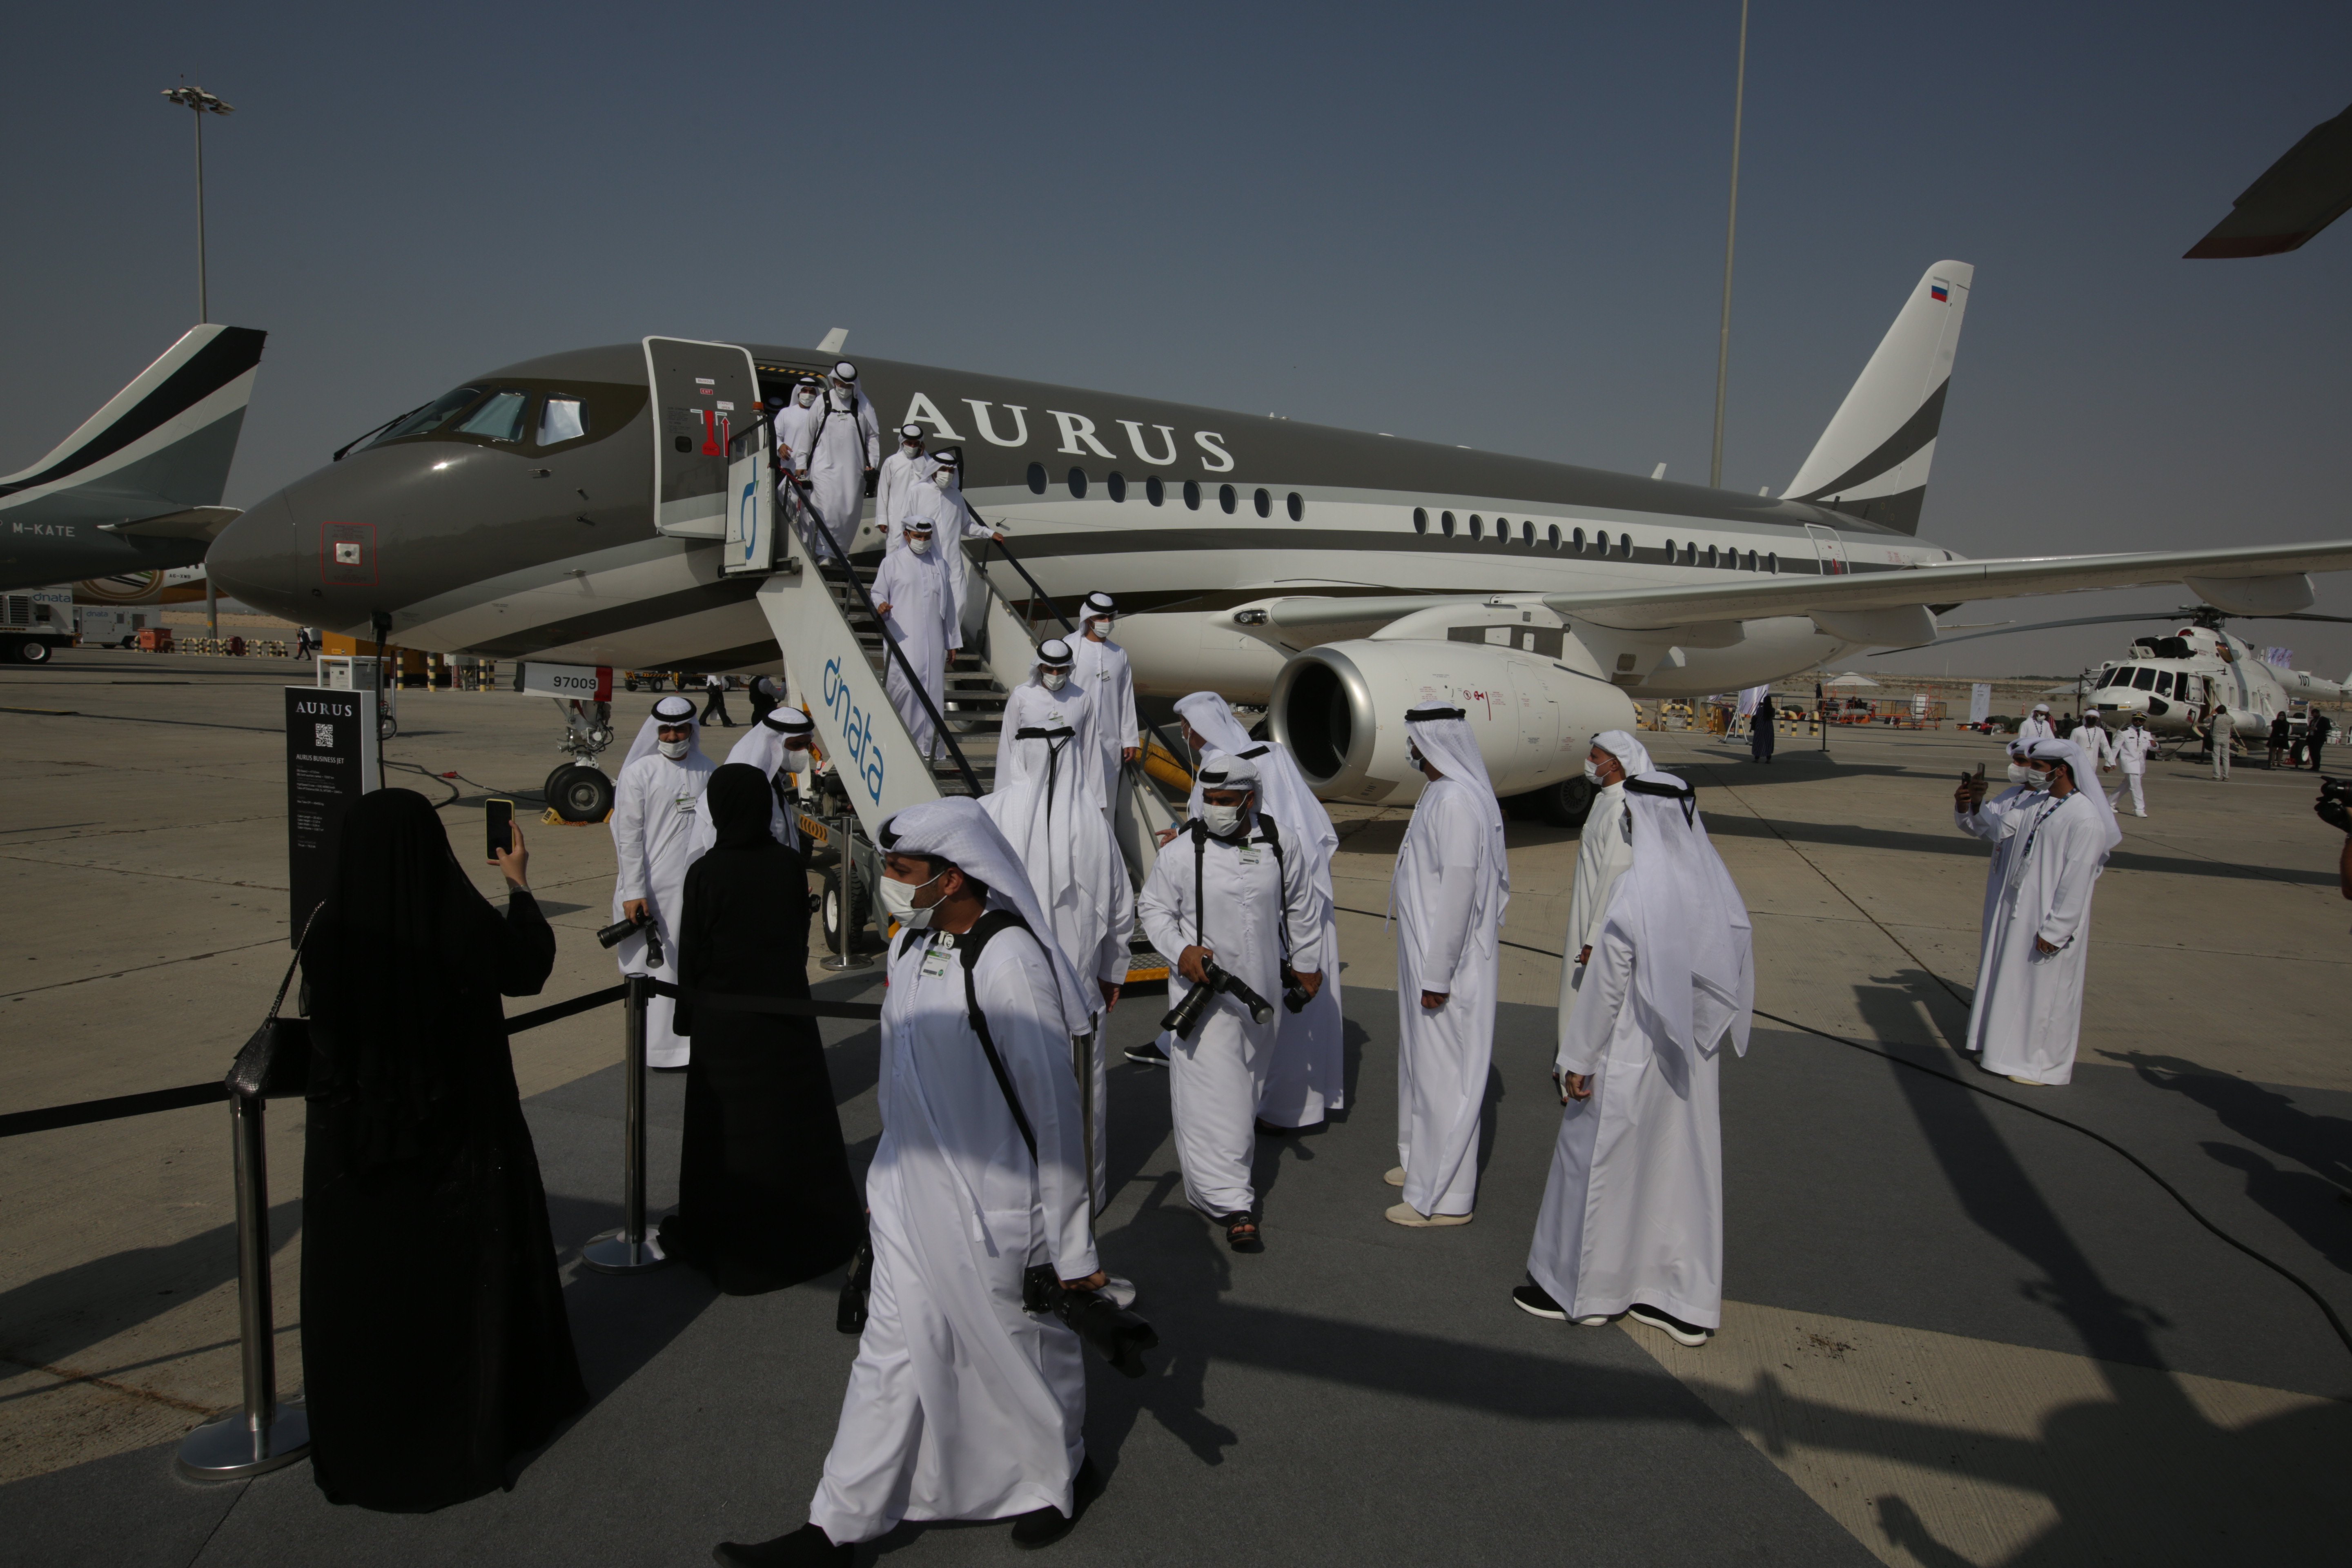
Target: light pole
[1730, 234]
[202, 103]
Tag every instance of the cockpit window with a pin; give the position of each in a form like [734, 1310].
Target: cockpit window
[2164, 683]
[561, 418]
[431, 416]
[2144, 679]
[500, 418]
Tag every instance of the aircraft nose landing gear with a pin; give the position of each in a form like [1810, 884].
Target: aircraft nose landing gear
[578, 791]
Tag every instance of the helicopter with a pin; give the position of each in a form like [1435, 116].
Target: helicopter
[2175, 677]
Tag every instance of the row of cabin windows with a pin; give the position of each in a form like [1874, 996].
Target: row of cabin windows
[1155, 490]
[1601, 543]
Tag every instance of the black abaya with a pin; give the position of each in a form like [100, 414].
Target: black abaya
[435, 1344]
[766, 1196]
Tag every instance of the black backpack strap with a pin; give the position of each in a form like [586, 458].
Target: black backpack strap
[1272, 837]
[969, 946]
[1200, 832]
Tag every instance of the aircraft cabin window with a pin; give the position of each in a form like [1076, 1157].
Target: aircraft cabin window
[2144, 679]
[2164, 683]
[561, 418]
[1670, 552]
[1153, 491]
[1445, 522]
[1227, 499]
[1297, 508]
[1528, 534]
[1477, 526]
[1192, 495]
[1078, 484]
[1710, 554]
[432, 415]
[1036, 478]
[1555, 536]
[499, 417]
[1625, 545]
[1601, 540]
[1265, 503]
[1421, 520]
[1117, 485]
[1576, 537]
[1772, 562]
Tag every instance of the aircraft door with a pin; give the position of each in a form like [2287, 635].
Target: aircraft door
[1827, 548]
[704, 395]
[752, 502]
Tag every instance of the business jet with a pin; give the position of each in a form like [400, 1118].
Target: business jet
[574, 509]
[137, 489]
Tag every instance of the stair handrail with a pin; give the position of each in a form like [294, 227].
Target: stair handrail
[865, 601]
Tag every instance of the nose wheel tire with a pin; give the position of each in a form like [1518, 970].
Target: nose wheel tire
[579, 793]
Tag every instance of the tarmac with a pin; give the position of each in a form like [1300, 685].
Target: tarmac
[1956, 1331]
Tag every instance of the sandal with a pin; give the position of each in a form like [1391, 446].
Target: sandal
[1240, 1232]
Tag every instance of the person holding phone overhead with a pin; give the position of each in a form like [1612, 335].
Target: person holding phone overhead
[424, 1383]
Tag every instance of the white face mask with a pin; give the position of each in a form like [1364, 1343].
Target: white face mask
[1414, 760]
[1221, 820]
[912, 448]
[1053, 680]
[841, 396]
[1592, 770]
[921, 543]
[674, 750]
[1100, 629]
[943, 478]
[2036, 780]
[899, 901]
[805, 397]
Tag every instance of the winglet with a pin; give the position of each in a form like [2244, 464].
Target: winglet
[831, 342]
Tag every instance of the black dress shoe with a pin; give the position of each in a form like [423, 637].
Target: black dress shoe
[1043, 1526]
[807, 1547]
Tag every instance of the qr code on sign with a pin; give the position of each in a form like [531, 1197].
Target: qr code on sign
[322, 734]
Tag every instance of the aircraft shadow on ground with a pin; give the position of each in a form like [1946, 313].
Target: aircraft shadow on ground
[2309, 1201]
[2141, 1476]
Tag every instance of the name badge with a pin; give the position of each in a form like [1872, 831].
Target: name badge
[1252, 855]
[686, 805]
[936, 959]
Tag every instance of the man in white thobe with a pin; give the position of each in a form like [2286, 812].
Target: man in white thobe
[1307, 1079]
[845, 442]
[2220, 731]
[1047, 804]
[791, 426]
[901, 472]
[1632, 1220]
[911, 590]
[962, 1406]
[658, 830]
[2131, 750]
[1451, 886]
[1102, 669]
[2035, 726]
[952, 522]
[778, 744]
[1219, 892]
[1604, 847]
[2051, 838]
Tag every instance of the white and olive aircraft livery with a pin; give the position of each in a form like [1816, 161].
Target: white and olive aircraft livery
[137, 489]
[575, 509]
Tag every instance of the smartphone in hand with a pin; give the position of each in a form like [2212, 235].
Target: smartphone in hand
[497, 817]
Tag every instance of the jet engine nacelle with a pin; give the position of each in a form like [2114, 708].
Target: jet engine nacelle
[1340, 710]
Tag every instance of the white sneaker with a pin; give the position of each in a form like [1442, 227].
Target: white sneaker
[1395, 1177]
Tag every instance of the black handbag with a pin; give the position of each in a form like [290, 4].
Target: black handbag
[275, 1064]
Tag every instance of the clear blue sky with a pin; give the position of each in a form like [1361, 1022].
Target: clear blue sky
[1495, 226]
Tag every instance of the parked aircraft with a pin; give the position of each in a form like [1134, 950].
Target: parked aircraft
[137, 488]
[571, 509]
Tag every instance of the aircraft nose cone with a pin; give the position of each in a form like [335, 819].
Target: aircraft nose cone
[257, 559]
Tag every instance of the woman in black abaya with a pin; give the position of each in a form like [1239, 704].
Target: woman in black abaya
[435, 1344]
[766, 1196]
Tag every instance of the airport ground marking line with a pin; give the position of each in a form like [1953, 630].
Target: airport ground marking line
[18, 995]
[129, 871]
[117, 832]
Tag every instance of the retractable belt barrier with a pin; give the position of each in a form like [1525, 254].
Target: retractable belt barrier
[263, 1434]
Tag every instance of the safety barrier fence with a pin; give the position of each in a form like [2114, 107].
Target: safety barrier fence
[263, 1435]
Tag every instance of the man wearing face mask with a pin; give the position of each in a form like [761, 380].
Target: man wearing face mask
[902, 471]
[2131, 750]
[658, 830]
[1102, 669]
[1239, 894]
[1604, 848]
[778, 745]
[845, 443]
[792, 424]
[952, 521]
[911, 592]
[960, 1404]
[1047, 803]
[2035, 726]
[2050, 837]
[1451, 886]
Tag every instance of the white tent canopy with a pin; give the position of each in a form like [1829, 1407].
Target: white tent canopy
[1849, 681]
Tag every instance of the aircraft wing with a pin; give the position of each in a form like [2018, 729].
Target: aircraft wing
[2308, 188]
[203, 522]
[2268, 576]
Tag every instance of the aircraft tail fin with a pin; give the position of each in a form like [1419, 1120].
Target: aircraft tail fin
[1872, 462]
[166, 440]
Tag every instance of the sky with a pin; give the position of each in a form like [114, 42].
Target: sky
[1495, 226]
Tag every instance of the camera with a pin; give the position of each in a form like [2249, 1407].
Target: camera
[1186, 1015]
[2335, 803]
[1118, 1333]
[619, 931]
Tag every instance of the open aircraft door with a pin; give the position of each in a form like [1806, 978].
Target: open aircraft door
[1829, 548]
[704, 396]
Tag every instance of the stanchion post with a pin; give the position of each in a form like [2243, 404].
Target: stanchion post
[629, 1250]
[1081, 1063]
[263, 1434]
